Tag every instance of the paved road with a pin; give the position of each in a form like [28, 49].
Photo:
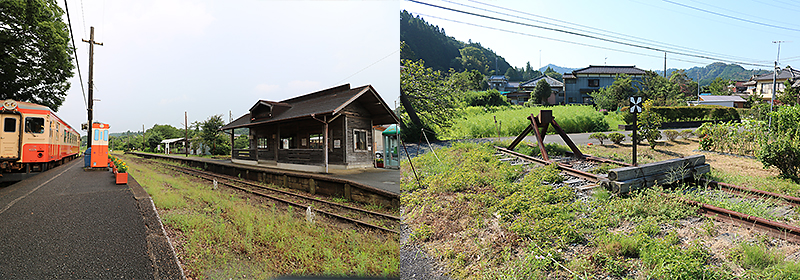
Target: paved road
[69, 223]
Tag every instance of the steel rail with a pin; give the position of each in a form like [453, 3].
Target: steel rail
[779, 229]
[205, 175]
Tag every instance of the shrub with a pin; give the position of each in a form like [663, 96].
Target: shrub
[784, 154]
[616, 137]
[649, 122]
[599, 136]
[687, 133]
[672, 134]
[750, 256]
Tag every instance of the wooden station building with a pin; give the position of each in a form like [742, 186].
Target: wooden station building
[327, 129]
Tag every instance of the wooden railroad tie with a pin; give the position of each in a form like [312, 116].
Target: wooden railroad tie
[626, 179]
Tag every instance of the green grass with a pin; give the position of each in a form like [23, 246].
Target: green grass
[479, 122]
[224, 235]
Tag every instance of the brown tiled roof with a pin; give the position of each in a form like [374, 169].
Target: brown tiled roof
[603, 69]
[328, 101]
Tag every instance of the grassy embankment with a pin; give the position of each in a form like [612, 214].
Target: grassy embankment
[479, 122]
[489, 220]
[220, 233]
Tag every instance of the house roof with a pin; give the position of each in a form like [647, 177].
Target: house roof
[553, 82]
[721, 98]
[497, 77]
[329, 101]
[568, 76]
[173, 140]
[604, 69]
[785, 73]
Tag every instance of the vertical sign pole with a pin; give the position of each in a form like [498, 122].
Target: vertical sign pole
[635, 128]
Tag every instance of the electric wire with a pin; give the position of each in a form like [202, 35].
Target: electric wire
[590, 36]
[596, 29]
[731, 17]
[365, 68]
[83, 17]
[729, 10]
[74, 50]
[557, 40]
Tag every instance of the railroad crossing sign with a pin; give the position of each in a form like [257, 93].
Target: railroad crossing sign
[636, 104]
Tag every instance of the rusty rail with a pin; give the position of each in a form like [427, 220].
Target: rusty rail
[778, 229]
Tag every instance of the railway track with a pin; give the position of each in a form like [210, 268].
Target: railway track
[775, 228]
[341, 212]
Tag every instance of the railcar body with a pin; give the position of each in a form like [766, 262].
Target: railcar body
[33, 138]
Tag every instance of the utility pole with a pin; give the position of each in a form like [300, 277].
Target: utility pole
[91, 84]
[665, 64]
[774, 82]
[143, 139]
[186, 133]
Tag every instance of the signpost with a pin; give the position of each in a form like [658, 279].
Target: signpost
[636, 108]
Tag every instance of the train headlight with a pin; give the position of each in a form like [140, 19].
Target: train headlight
[39, 155]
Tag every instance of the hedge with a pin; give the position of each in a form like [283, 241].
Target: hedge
[690, 113]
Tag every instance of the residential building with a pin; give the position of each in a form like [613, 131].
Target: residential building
[763, 87]
[579, 83]
[526, 88]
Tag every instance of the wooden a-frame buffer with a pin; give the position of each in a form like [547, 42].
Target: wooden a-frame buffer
[539, 125]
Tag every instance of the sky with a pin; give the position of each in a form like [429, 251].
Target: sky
[161, 58]
[733, 30]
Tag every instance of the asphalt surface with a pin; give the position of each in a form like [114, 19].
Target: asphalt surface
[71, 223]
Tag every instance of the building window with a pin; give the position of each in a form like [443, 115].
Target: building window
[262, 143]
[34, 125]
[287, 142]
[594, 82]
[360, 137]
[569, 81]
[315, 141]
[10, 125]
[572, 100]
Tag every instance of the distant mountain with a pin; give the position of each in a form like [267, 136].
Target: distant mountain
[710, 72]
[557, 68]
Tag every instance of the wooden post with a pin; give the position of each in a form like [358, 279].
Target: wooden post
[347, 194]
[312, 187]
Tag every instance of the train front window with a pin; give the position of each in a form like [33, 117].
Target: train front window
[10, 125]
[34, 125]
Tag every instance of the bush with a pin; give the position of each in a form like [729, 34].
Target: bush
[690, 113]
[687, 133]
[485, 98]
[599, 136]
[784, 154]
[672, 134]
[616, 137]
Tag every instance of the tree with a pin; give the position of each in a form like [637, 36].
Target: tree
[660, 90]
[212, 136]
[513, 74]
[35, 60]
[473, 58]
[616, 95]
[466, 81]
[553, 74]
[790, 96]
[425, 99]
[719, 86]
[541, 92]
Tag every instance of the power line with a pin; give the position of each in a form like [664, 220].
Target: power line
[557, 40]
[588, 36]
[729, 10]
[731, 17]
[74, 50]
[365, 68]
[598, 29]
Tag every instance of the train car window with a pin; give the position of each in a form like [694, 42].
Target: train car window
[10, 125]
[34, 125]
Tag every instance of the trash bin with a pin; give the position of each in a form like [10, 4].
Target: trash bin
[87, 157]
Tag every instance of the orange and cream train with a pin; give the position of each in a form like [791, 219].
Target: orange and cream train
[33, 138]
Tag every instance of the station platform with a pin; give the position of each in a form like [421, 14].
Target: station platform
[380, 178]
[76, 224]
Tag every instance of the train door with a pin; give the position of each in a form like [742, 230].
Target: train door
[9, 136]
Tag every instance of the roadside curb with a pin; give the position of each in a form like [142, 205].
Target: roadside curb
[162, 255]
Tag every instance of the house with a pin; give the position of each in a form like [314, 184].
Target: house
[526, 88]
[331, 128]
[503, 85]
[581, 82]
[763, 87]
[732, 101]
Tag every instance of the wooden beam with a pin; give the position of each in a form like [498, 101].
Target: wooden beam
[520, 137]
[534, 123]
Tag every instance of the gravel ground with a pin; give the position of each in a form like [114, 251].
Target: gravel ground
[415, 263]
